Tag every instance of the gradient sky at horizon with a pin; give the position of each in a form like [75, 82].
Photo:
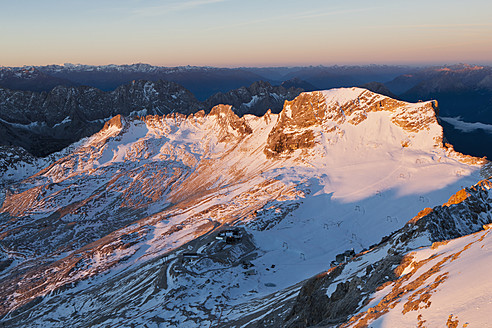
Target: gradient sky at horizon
[228, 33]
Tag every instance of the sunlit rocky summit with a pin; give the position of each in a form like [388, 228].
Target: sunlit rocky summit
[327, 197]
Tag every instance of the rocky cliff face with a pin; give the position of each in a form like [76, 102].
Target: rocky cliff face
[293, 128]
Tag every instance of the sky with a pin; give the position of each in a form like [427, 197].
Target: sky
[234, 33]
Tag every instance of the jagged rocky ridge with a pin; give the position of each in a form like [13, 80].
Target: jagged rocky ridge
[380, 88]
[205, 81]
[99, 236]
[49, 121]
[256, 99]
[45, 122]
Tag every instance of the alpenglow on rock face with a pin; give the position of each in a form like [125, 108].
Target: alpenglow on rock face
[122, 228]
[332, 113]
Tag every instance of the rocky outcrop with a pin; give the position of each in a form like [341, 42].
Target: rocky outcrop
[230, 125]
[378, 87]
[255, 99]
[314, 307]
[292, 129]
[463, 157]
[116, 122]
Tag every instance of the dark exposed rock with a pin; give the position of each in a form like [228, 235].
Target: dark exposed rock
[12, 157]
[380, 88]
[46, 122]
[255, 99]
[314, 307]
[49, 121]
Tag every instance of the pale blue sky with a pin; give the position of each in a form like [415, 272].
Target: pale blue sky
[245, 32]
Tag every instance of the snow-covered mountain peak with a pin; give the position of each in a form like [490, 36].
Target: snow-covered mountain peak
[327, 129]
[352, 105]
[356, 115]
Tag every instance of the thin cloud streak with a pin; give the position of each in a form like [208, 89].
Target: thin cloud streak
[174, 7]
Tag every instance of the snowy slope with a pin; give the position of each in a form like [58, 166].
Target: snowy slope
[101, 233]
[443, 284]
[399, 281]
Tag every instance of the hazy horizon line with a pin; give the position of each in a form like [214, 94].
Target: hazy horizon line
[428, 64]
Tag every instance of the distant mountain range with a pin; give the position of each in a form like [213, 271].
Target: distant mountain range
[463, 91]
[203, 82]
